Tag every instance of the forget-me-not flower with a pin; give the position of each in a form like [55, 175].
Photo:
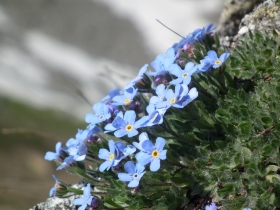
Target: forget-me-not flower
[212, 60]
[184, 76]
[152, 153]
[134, 174]
[155, 116]
[54, 155]
[53, 190]
[101, 114]
[126, 98]
[85, 200]
[111, 94]
[109, 156]
[123, 151]
[163, 63]
[124, 124]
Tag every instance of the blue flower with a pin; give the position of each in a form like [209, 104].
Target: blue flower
[163, 63]
[160, 91]
[101, 114]
[152, 154]
[212, 60]
[77, 147]
[174, 98]
[155, 116]
[54, 155]
[125, 125]
[85, 200]
[212, 206]
[123, 151]
[184, 76]
[126, 98]
[109, 156]
[53, 190]
[186, 99]
[134, 174]
[246, 209]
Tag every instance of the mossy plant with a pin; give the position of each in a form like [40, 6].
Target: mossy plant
[222, 147]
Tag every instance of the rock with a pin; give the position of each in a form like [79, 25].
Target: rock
[56, 203]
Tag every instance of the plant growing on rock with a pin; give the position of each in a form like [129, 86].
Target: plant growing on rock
[198, 130]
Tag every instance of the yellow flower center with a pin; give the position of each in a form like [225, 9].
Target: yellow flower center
[185, 75]
[112, 156]
[218, 62]
[155, 153]
[128, 127]
[172, 101]
[126, 101]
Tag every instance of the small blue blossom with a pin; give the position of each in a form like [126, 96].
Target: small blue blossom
[152, 154]
[126, 98]
[109, 156]
[123, 151]
[101, 114]
[53, 190]
[246, 209]
[163, 63]
[186, 99]
[212, 206]
[85, 200]
[160, 91]
[124, 124]
[134, 174]
[212, 60]
[174, 98]
[54, 155]
[155, 116]
[184, 76]
[77, 147]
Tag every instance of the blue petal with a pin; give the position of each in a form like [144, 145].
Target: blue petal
[129, 167]
[119, 123]
[143, 158]
[148, 146]
[125, 177]
[79, 201]
[130, 116]
[160, 142]
[111, 144]
[106, 165]
[155, 164]
[120, 133]
[109, 127]
[103, 154]
[162, 154]
[139, 168]
[51, 156]
[83, 207]
[133, 183]
[133, 132]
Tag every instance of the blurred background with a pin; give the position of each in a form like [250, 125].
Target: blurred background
[54, 51]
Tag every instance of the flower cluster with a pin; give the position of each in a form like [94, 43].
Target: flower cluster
[139, 107]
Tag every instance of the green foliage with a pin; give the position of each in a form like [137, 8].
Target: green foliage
[224, 146]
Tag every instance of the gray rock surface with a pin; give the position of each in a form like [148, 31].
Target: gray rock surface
[56, 203]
